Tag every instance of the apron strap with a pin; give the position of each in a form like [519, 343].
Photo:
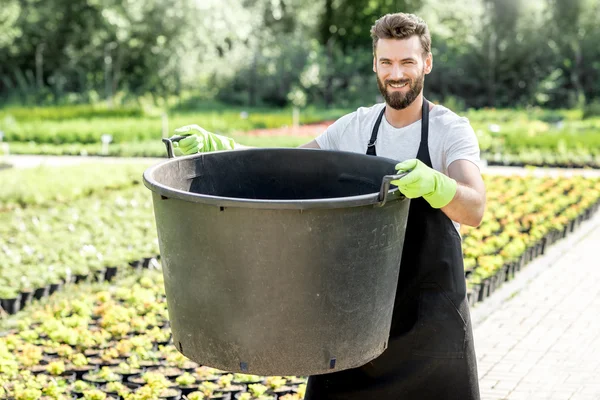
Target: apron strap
[423, 153]
[371, 145]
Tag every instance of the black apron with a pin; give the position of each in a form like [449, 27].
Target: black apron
[430, 353]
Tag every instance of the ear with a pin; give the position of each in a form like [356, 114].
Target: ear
[428, 63]
[375, 64]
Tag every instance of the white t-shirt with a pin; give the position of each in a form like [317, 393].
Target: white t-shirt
[451, 137]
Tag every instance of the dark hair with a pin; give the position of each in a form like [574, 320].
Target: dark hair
[401, 26]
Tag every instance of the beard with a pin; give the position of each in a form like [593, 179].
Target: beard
[399, 100]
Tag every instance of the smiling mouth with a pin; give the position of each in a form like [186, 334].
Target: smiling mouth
[397, 85]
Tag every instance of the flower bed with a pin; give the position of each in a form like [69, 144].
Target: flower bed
[524, 216]
[41, 249]
[112, 340]
[106, 339]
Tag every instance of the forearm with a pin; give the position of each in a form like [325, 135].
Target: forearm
[467, 206]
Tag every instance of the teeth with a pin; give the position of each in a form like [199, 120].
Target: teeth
[397, 86]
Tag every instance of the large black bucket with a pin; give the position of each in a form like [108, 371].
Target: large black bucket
[279, 261]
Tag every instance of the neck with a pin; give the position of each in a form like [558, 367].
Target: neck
[406, 116]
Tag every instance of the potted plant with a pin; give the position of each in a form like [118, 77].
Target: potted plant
[110, 357]
[57, 368]
[30, 356]
[81, 386]
[295, 380]
[102, 376]
[301, 390]
[177, 359]
[9, 299]
[212, 391]
[26, 292]
[195, 396]
[170, 394]
[94, 394]
[116, 389]
[152, 378]
[52, 388]
[27, 393]
[80, 270]
[169, 372]
[112, 261]
[246, 379]
[256, 391]
[129, 368]
[292, 396]
[80, 365]
[187, 383]
[41, 291]
[226, 386]
[206, 374]
[123, 348]
[161, 336]
[277, 385]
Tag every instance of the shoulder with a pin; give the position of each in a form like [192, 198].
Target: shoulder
[362, 115]
[445, 118]
[365, 113]
[370, 112]
[449, 124]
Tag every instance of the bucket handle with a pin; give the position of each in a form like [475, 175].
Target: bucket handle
[384, 192]
[169, 143]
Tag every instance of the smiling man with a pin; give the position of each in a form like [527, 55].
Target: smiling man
[430, 353]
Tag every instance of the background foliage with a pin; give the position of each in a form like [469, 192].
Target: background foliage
[487, 53]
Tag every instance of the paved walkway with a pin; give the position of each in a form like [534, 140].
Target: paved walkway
[540, 338]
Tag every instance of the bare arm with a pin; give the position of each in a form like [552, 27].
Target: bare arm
[468, 205]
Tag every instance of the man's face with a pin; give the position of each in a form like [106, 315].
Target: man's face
[401, 70]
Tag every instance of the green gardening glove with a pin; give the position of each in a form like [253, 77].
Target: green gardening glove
[200, 140]
[422, 181]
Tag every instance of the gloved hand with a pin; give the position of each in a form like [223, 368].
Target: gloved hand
[200, 140]
[422, 181]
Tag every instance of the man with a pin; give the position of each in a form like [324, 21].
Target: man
[430, 353]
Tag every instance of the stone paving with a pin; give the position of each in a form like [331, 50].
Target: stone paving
[538, 337]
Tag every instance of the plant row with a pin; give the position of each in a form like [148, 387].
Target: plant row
[506, 137]
[148, 128]
[91, 238]
[524, 216]
[101, 340]
[147, 148]
[545, 158]
[45, 247]
[44, 186]
[537, 137]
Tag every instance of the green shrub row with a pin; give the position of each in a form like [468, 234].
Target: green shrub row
[131, 129]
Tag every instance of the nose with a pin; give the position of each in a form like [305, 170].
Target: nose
[397, 73]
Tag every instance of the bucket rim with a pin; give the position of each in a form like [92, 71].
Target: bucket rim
[393, 194]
